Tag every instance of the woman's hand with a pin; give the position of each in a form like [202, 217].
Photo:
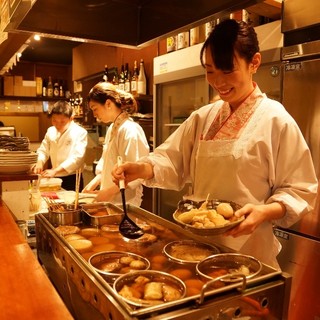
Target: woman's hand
[131, 171]
[255, 215]
[37, 168]
[49, 173]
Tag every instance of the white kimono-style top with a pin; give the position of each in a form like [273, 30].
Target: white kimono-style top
[128, 140]
[67, 149]
[255, 154]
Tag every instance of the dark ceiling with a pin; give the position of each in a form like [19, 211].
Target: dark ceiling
[125, 22]
[128, 23]
[49, 50]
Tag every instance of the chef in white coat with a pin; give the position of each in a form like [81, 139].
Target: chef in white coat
[244, 147]
[124, 138]
[65, 144]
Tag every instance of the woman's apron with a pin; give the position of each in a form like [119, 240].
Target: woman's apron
[216, 173]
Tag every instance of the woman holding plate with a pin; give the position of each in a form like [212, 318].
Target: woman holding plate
[245, 148]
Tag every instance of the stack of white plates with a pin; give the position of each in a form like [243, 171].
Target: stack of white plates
[16, 161]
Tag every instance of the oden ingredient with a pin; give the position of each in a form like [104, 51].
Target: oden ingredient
[225, 210]
[208, 218]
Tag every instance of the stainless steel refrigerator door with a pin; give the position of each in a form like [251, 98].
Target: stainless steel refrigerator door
[300, 257]
[301, 97]
[175, 100]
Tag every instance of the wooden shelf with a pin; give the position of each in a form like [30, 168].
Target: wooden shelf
[31, 98]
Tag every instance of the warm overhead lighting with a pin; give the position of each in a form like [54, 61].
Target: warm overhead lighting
[36, 37]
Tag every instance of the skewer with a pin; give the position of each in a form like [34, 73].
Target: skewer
[76, 200]
[52, 205]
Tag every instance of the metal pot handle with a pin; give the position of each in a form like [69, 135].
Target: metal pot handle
[211, 282]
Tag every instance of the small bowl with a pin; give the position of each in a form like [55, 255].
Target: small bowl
[150, 286]
[112, 264]
[100, 213]
[189, 251]
[229, 263]
[65, 214]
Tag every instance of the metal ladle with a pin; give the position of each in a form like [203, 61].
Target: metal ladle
[127, 227]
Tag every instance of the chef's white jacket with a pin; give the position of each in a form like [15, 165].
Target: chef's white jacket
[131, 144]
[269, 161]
[66, 150]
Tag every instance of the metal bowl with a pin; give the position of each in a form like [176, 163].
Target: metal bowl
[65, 214]
[189, 251]
[187, 205]
[232, 264]
[99, 213]
[142, 279]
[112, 264]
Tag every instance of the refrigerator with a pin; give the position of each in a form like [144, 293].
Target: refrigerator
[300, 255]
[180, 87]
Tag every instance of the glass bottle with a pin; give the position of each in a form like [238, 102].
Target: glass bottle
[134, 79]
[127, 79]
[105, 74]
[56, 89]
[44, 88]
[121, 78]
[142, 80]
[115, 80]
[50, 88]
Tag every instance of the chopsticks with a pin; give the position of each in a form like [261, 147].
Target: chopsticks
[78, 178]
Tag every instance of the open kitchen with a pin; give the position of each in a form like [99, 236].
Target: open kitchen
[159, 159]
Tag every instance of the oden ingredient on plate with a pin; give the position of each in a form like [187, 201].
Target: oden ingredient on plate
[208, 218]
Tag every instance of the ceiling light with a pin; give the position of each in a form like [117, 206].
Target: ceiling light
[36, 37]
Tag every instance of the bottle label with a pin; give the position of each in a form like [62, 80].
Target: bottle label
[134, 86]
[171, 44]
[127, 86]
[142, 89]
[194, 36]
[183, 40]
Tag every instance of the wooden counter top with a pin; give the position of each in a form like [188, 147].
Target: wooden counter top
[25, 290]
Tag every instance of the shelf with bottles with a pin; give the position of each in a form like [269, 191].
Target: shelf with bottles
[133, 81]
[27, 98]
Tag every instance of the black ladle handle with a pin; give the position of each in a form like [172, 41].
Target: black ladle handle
[127, 227]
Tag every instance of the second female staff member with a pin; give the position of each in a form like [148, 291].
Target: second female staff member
[124, 138]
[244, 148]
[65, 144]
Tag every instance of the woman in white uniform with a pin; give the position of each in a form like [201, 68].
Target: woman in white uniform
[124, 138]
[245, 148]
[65, 144]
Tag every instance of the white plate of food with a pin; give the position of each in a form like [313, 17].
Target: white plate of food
[207, 218]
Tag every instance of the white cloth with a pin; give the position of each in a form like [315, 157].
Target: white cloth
[269, 161]
[131, 144]
[66, 150]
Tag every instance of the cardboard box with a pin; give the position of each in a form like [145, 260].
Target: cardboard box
[18, 80]
[8, 86]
